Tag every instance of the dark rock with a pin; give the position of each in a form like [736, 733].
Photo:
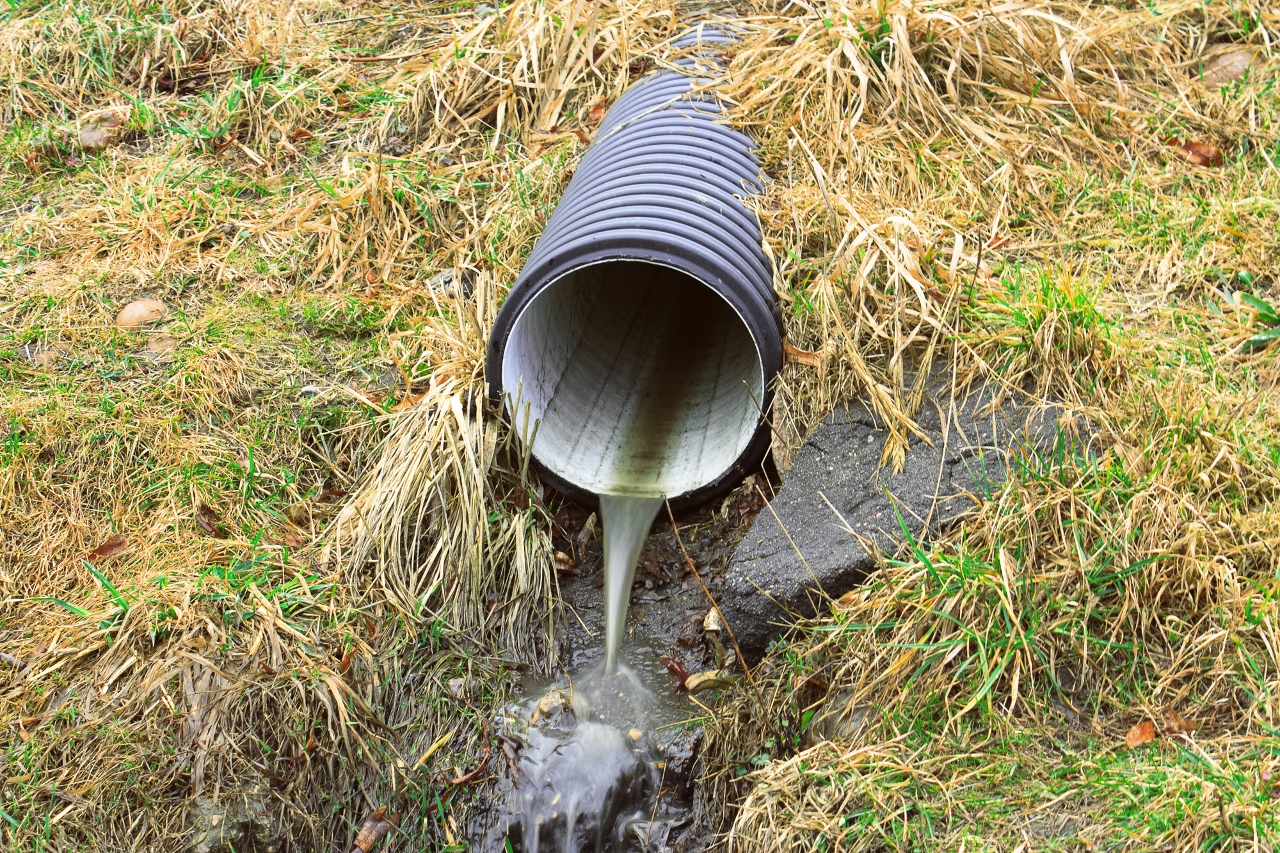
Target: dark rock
[839, 512]
[233, 823]
[680, 759]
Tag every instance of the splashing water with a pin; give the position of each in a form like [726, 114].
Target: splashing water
[626, 520]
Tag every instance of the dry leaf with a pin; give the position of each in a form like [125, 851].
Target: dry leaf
[474, 774]
[719, 679]
[115, 545]
[1143, 732]
[597, 113]
[565, 563]
[96, 129]
[801, 356]
[1197, 153]
[1178, 724]
[292, 540]
[374, 828]
[1228, 66]
[208, 521]
[848, 600]
[676, 668]
[94, 137]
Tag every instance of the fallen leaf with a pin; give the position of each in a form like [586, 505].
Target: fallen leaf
[583, 137]
[1197, 153]
[141, 312]
[715, 680]
[1228, 66]
[586, 534]
[96, 129]
[94, 137]
[345, 664]
[597, 112]
[115, 545]
[1142, 733]
[292, 540]
[301, 134]
[565, 563]
[801, 356]
[374, 828]
[1178, 724]
[676, 668]
[208, 521]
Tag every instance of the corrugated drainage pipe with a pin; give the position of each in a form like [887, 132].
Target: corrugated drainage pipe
[638, 346]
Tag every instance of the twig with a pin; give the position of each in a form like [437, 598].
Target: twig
[474, 774]
[723, 621]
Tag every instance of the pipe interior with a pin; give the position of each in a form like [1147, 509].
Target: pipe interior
[638, 379]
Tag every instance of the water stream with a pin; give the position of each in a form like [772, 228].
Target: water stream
[626, 520]
[593, 757]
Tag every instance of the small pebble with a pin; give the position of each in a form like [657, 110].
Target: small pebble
[141, 312]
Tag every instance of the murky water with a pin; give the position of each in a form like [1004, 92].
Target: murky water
[626, 520]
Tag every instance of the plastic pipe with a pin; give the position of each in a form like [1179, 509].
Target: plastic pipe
[637, 348]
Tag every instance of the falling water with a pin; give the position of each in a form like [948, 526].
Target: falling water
[626, 520]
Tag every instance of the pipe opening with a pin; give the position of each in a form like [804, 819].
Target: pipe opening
[640, 379]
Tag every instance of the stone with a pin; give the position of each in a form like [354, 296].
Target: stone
[162, 343]
[1228, 66]
[232, 823]
[838, 513]
[680, 761]
[141, 312]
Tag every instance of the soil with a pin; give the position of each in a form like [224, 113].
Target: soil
[668, 604]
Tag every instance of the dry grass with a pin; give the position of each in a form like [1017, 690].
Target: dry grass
[331, 197]
[1008, 187]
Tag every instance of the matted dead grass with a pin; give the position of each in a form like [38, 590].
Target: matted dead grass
[331, 198]
[1013, 181]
